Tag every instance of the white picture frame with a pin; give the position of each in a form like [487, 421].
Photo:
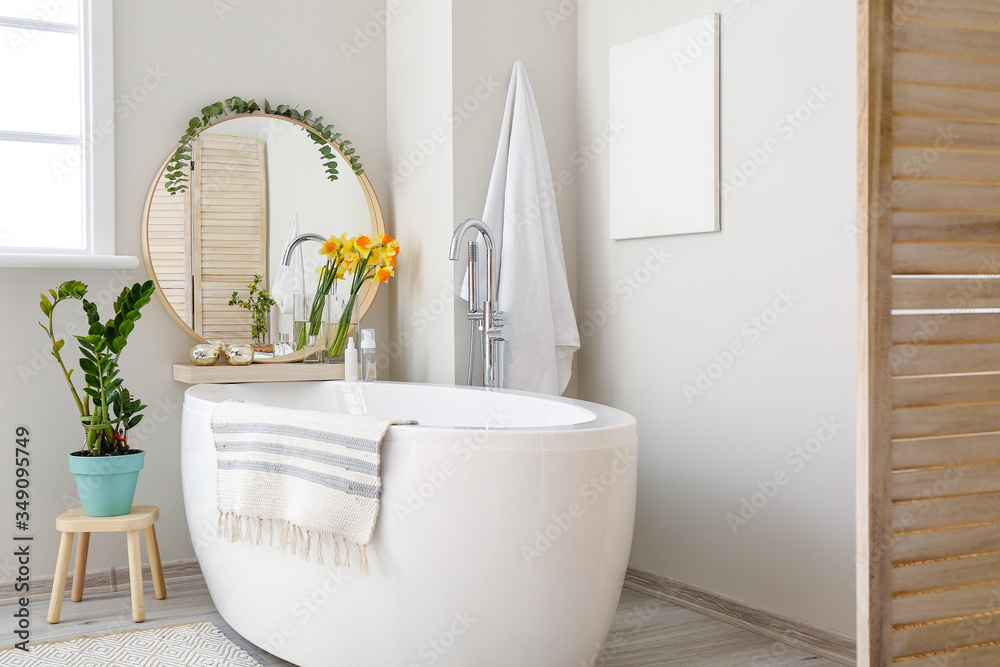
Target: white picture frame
[664, 163]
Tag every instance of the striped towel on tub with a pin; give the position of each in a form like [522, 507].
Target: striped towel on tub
[300, 475]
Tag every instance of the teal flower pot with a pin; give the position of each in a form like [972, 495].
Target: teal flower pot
[107, 483]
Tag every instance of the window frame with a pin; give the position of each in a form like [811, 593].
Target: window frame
[97, 148]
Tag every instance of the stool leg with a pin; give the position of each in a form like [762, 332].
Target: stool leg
[59, 582]
[80, 569]
[135, 576]
[155, 567]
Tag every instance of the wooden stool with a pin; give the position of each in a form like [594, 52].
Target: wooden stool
[141, 518]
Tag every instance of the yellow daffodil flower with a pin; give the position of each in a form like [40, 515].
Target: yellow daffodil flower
[383, 274]
[330, 247]
[363, 245]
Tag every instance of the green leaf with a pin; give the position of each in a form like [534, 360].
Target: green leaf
[45, 305]
[119, 344]
[58, 345]
[89, 367]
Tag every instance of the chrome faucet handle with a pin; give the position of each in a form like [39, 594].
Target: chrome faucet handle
[499, 320]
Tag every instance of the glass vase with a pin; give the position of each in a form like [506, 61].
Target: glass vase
[346, 317]
[311, 313]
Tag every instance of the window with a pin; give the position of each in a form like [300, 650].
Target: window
[56, 132]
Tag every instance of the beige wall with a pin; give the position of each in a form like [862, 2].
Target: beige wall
[199, 54]
[444, 114]
[488, 37]
[667, 320]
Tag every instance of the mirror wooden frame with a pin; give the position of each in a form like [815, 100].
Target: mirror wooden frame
[368, 292]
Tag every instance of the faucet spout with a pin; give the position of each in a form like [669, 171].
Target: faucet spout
[296, 242]
[470, 223]
[456, 248]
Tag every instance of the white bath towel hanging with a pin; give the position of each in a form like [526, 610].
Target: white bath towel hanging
[288, 279]
[521, 212]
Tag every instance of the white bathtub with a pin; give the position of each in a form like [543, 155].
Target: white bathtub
[503, 537]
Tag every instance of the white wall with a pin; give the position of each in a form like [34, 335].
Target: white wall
[420, 146]
[650, 326]
[171, 59]
[782, 230]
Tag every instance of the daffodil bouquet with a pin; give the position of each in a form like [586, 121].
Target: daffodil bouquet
[362, 259]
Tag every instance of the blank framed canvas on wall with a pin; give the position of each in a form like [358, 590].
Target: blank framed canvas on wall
[664, 164]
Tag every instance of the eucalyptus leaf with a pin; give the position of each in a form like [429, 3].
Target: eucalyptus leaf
[176, 180]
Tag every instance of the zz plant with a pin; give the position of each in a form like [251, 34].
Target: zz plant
[322, 134]
[107, 409]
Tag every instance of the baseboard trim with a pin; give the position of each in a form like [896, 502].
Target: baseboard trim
[811, 638]
[104, 580]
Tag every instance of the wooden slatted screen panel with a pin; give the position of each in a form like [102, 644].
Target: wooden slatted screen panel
[944, 529]
[169, 234]
[229, 225]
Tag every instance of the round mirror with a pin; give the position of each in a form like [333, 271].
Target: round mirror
[256, 182]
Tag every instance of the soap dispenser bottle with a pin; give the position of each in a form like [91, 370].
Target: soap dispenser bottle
[368, 364]
[350, 361]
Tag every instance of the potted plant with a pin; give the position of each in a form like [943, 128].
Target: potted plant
[106, 468]
[258, 304]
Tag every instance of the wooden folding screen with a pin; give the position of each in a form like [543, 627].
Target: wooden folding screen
[229, 230]
[929, 391]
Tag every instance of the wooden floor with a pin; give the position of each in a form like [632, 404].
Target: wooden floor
[646, 630]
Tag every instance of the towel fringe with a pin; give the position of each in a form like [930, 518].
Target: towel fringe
[292, 539]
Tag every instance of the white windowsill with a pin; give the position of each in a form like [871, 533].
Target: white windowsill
[42, 261]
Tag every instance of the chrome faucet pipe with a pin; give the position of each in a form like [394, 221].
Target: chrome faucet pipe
[296, 242]
[492, 320]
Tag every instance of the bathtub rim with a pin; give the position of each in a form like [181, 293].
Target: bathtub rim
[610, 427]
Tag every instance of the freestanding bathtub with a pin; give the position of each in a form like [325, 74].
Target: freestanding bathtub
[502, 539]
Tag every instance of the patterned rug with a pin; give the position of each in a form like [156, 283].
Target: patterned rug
[188, 645]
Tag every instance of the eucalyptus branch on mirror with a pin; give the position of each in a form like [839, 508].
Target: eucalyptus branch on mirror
[322, 134]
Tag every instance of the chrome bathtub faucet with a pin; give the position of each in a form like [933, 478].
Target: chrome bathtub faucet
[296, 242]
[485, 315]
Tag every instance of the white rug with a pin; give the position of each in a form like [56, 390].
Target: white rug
[189, 645]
